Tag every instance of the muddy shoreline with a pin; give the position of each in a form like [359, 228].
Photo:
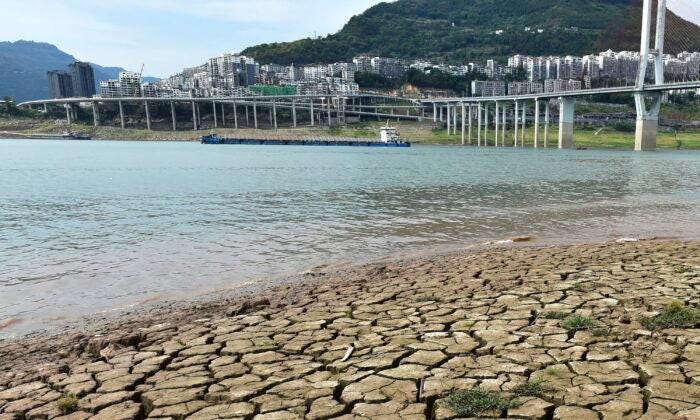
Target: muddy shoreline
[390, 337]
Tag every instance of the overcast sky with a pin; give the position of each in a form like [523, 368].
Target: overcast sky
[167, 35]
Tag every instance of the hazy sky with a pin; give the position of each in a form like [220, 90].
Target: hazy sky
[167, 35]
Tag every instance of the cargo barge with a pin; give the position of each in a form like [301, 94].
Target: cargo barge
[389, 137]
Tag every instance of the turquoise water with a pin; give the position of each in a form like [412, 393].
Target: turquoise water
[92, 226]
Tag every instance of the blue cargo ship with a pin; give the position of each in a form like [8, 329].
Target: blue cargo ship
[389, 137]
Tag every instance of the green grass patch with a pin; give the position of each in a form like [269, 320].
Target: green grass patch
[477, 401]
[554, 315]
[67, 404]
[578, 323]
[556, 370]
[674, 315]
[529, 389]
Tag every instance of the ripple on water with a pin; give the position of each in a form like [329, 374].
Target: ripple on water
[85, 227]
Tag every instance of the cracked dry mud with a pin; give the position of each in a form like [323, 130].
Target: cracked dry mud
[391, 341]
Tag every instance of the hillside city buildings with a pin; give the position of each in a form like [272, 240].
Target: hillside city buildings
[237, 75]
[78, 81]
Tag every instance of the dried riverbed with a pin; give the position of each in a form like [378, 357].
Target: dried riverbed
[396, 340]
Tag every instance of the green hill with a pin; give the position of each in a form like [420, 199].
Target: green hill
[460, 30]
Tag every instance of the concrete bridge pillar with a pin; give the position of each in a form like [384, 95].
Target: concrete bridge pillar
[464, 125]
[67, 113]
[469, 134]
[194, 116]
[255, 115]
[546, 122]
[647, 121]
[566, 122]
[522, 132]
[478, 125]
[213, 107]
[516, 123]
[505, 126]
[121, 114]
[274, 113]
[434, 112]
[95, 115]
[148, 116]
[449, 120]
[486, 124]
[311, 107]
[223, 115]
[496, 121]
[235, 116]
[454, 119]
[294, 113]
[537, 123]
[172, 114]
[330, 122]
[247, 116]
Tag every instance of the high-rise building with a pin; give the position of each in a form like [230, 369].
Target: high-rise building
[83, 79]
[60, 84]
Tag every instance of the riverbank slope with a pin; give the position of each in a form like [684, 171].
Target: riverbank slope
[550, 332]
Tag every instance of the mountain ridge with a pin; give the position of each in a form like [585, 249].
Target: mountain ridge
[23, 67]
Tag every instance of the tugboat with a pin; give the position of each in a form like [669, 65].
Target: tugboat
[390, 136]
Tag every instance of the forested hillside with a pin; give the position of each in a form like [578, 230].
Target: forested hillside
[461, 30]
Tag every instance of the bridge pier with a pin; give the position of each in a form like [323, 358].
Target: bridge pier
[516, 123]
[95, 116]
[247, 116]
[67, 113]
[311, 107]
[294, 113]
[274, 113]
[546, 122]
[566, 122]
[505, 126]
[434, 112]
[213, 107]
[449, 120]
[255, 115]
[524, 122]
[148, 116]
[486, 124]
[464, 125]
[172, 114]
[223, 115]
[454, 119]
[479, 121]
[537, 123]
[194, 116]
[495, 120]
[235, 116]
[471, 114]
[647, 121]
[330, 122]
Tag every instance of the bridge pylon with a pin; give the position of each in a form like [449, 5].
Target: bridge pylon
[648, 114]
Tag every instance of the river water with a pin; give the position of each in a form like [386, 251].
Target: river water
[93, 226]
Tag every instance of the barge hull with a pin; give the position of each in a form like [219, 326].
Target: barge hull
[302, 142]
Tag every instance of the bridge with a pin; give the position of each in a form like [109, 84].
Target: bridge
[510, 110]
